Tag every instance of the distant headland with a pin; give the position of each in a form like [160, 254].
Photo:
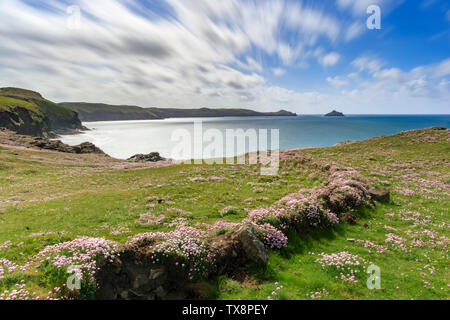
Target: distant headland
[105, 112]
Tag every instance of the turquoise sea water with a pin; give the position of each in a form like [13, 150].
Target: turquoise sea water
[122, 139]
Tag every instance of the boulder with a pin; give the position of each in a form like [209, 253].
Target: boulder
[87, 147]
[348, 218]
[380, 195]
[252, 246]
[151, 157]
[237, 248]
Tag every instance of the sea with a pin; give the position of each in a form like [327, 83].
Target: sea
[123, 139]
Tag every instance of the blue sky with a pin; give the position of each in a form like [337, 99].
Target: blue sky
[304, 56]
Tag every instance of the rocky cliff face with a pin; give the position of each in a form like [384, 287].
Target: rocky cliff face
[22, 121]
[27, 112]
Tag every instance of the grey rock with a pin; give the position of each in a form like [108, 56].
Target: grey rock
[151, 157]
[381, 195]
[253, 247]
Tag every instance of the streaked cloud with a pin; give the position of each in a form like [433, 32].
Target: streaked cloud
[207, 53]
[330, 59]
[338, 81]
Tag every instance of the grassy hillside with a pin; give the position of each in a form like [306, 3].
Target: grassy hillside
[27, 112]
[105, 112]
[8, 104]
[206, 112]
[48, 198]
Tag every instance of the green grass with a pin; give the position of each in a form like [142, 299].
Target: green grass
[9, 104]
[58, 115]
[21, 94]
[84, 195]
[91, 111]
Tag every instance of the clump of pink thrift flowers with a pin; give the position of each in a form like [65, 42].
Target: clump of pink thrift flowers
[85, 252]
[275, 293]
[346, 266]
[227, 210]
[184, 248]
[318, 294]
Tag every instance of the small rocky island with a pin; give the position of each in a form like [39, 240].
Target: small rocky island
[335, 113]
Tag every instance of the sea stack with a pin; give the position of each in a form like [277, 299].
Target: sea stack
[335, 113]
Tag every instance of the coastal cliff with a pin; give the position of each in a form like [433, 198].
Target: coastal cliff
[27, 112]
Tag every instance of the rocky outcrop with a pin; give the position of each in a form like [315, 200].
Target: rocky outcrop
[56, 145]
[335, 113]
[134, 277]
[10, 138]
[151, 157]
[22, 121]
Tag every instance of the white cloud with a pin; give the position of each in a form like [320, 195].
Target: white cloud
[330, 59]
[444, 85]
[393, 75]
[367, 64]
[359, 7]
[422, 81]
[287, 54]
[250, 65]
[181, 58]
[311, 21]
[337, 81]
[198, 53]
[355, 30]
[278, 72]
[442, 69]
[391, 90]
